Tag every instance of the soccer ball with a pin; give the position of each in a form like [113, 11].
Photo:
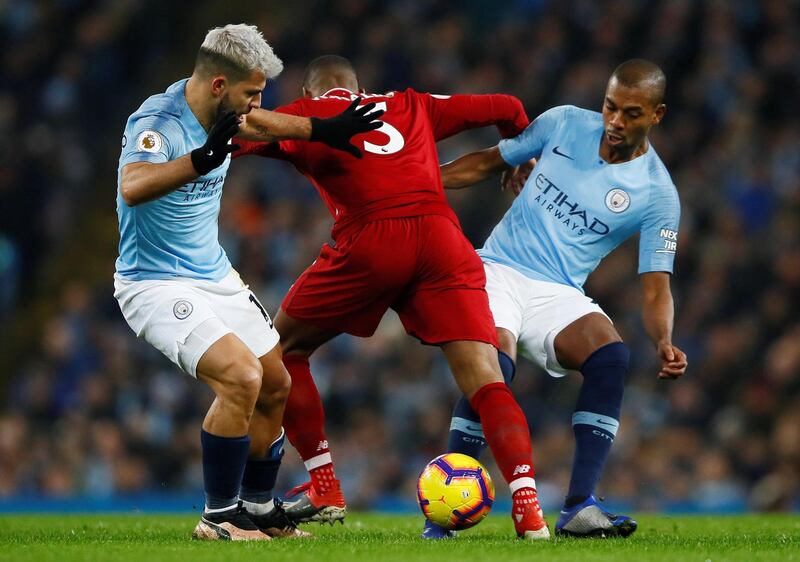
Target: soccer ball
[455, 491]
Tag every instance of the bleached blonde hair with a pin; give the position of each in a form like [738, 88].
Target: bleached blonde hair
[237, 49]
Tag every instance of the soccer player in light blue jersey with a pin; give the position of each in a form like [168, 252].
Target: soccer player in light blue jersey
[597, 181]
[175, 285]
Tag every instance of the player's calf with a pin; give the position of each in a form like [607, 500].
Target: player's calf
[466, 432]
[596, 418]
[509, 438]
[476, 369]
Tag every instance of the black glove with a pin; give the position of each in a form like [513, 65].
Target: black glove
[336, 131]
[212, 154]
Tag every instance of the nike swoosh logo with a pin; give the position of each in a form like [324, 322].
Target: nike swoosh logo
[471, 428]
[604, 422]
[555, 151]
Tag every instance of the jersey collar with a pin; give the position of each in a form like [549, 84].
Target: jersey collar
[338, 92]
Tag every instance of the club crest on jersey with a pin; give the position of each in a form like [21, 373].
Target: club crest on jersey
[182, 309]
[149, 141]
[617, 200]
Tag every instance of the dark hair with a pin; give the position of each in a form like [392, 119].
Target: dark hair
[327, 63]
[643, 74]
[209, 63]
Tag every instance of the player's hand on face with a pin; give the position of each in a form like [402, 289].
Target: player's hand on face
[213, 153]
[515, 178]
[673, 361]
[336, 131]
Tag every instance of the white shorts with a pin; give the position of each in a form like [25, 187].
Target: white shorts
[535, 311]
[183, 317]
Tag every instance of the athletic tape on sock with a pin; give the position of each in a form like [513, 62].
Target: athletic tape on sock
[520, 483]
[467, 426]
[606, 423]
[318, 461]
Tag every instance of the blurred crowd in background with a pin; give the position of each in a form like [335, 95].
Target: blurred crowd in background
[86, 409]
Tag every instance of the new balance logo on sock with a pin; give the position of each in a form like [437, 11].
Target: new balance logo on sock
[522, 469]
[323, 445]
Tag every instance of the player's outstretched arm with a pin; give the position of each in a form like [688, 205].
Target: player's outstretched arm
[658, 314]
[145, 181]
[472, 168]
[336, 131]
[270, 126]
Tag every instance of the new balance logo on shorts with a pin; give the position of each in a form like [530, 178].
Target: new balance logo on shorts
[522, 469]
[323, 445]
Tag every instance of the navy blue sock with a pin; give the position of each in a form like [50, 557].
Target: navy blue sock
[466, 432]
[260, 473]
[596, 418]
[223, 465]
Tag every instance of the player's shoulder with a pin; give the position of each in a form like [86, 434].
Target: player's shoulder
[662, 188]
[166, 107]
[569, 119]
[573, 114]
[657, 171]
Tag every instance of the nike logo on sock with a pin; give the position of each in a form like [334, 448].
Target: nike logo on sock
[555, 151]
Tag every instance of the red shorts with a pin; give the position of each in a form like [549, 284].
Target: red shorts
[422, 267]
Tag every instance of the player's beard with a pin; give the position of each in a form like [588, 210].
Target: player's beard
[224, 106]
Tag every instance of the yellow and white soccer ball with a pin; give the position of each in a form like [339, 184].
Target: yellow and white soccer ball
[455, 491]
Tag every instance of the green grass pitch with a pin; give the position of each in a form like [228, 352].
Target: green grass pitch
[386, 538]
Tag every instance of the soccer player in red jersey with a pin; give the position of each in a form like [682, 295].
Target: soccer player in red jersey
[397, 244]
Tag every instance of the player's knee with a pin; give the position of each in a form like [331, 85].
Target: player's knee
[614, 353]
[485, 370]
[275, 386]
[610, 359]
[474, 367]
[243, 382]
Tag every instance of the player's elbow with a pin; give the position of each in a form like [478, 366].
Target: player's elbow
[657, 299]
[130, 187]
[129, 193]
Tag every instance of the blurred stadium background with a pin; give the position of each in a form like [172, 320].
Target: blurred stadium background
[90, 416]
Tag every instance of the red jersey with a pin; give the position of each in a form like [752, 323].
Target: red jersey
[399, 173]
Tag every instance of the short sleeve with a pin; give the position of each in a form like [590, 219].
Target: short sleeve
[530, 143]
[658, 241]
[153, 138]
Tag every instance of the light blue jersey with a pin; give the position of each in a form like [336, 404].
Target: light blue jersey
[576, 208]
[175, 235]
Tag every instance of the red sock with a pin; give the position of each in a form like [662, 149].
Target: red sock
[507, 434]
[323, 478]
[304, 418]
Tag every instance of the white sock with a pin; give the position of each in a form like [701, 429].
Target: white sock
[258, 508]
